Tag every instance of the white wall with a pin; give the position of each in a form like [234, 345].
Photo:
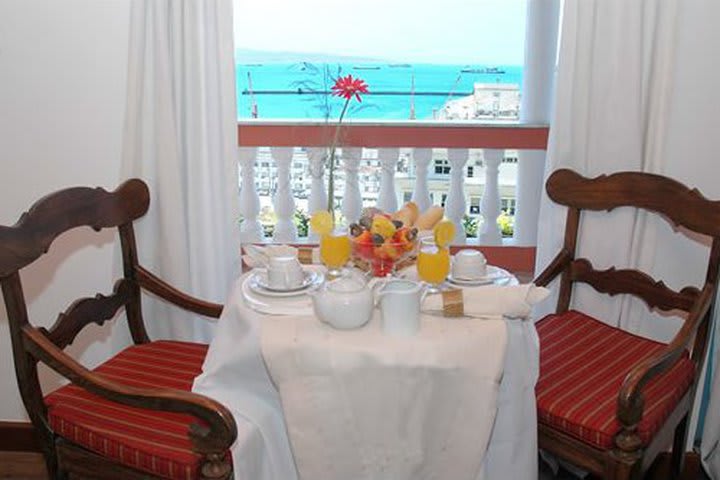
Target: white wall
[62, 100]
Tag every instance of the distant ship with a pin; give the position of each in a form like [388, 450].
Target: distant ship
[400, 65]
[490, 70]
[366, 67]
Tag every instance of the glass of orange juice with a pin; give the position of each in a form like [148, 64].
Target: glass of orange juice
[433, 264]
[334, 243]
[335, 251]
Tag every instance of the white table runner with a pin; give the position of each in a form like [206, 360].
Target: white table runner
[364, 406]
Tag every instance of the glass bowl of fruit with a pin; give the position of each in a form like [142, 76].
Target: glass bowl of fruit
[379, 243]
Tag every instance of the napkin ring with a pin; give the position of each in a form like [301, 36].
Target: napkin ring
[305, 255]
[452, 301]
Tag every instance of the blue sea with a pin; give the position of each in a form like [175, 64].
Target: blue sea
[296, 90]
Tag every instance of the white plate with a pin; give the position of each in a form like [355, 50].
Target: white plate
[293, 305]
[495, 275]
[258, 284]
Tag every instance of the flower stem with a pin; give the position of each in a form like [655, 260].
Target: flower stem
[331, 162]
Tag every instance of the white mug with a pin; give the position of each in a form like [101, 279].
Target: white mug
[399, 302]
[284, 273]
[469, 264]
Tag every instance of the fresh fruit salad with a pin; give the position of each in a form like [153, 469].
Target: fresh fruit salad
[382, 241]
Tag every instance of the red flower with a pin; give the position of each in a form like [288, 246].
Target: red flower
[348, 86]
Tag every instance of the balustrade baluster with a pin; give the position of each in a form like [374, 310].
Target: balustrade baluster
[352, 200]
[421, 194]
[318, 194]
[250, 230]
[455, 205]
[283, 201]
[387, 199]
[490, 205]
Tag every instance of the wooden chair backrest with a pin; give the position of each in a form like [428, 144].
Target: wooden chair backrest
[667, 197]
[31, 237]
[55, 214]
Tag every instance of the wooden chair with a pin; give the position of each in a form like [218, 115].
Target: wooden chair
[609, 401]
[134, 416]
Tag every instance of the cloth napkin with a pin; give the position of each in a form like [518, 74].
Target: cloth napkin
[257, 257]
[511, 301]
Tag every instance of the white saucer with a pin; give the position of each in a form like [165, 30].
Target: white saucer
[257, 282]
[494, 275]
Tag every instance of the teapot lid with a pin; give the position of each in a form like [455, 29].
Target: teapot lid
[346, 284]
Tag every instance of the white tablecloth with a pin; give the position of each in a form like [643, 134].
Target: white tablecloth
[360, 405]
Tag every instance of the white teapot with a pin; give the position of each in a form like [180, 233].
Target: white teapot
[345, 302]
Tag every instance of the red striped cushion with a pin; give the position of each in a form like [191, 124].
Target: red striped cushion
[583, 363]
[148, 440]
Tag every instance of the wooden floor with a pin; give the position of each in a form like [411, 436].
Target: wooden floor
[22, 466]
[30, 466]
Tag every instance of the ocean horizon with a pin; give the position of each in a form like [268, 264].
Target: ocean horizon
[298, 90]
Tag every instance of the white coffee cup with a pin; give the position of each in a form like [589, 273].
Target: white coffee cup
[469, 264]
[284, 273]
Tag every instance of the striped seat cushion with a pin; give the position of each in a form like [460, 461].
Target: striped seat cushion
[148, 440]
[583, 363]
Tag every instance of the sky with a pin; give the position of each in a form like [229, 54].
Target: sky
[489, 32]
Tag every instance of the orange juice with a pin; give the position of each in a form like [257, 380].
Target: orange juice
[334, 250]
[433, 263]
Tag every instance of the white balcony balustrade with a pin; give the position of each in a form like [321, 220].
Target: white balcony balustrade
[452, 178]
[471, 169]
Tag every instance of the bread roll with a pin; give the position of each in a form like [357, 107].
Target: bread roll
[428, 219]
[408, 214]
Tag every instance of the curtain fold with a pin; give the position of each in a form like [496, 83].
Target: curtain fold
[180, 137]
[634, 91]
[603, 123]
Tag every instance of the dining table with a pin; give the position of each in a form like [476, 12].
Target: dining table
[312, 402]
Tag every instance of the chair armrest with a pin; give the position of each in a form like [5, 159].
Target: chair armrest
[216, 438]
[162, 289]
[630, 399]
[558, 264]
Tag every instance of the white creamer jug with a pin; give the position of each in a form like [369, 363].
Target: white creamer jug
[400, 302]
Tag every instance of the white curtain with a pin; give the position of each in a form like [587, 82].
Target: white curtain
[180, 137]
[635, 91]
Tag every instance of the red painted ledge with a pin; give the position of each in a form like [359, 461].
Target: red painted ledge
[289, 134]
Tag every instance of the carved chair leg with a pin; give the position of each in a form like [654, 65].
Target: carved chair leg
[623, 465]
[47, 445]
[51, 465]
[677, 462]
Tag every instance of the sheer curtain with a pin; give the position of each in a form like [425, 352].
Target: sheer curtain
[629, 97]
[610, 87]
[180, 137]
